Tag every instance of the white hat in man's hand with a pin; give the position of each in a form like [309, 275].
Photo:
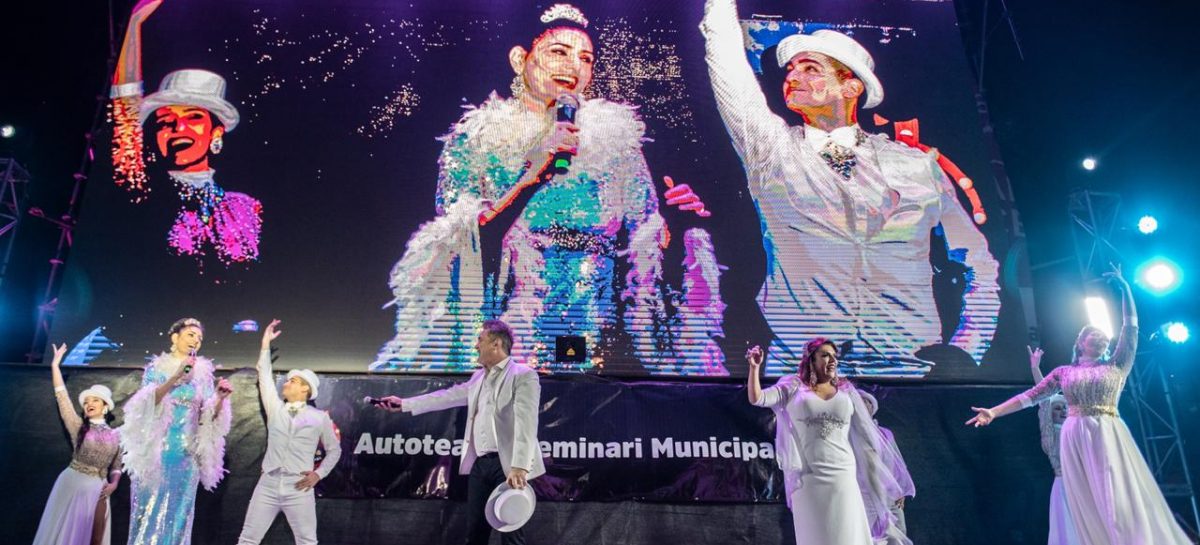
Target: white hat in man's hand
[508, 509]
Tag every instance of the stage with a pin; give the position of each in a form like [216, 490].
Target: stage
[977, 486]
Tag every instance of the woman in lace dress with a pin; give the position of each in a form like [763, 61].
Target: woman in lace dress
[1111, 494]
[838, 473]
[77, 511]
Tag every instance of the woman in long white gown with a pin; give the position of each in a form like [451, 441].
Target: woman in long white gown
[837, 472]
[1111, 494]
[1052, 414]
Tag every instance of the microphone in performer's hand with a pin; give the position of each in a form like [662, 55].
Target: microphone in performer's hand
[566, 105]
[378, 402]
[187, 367]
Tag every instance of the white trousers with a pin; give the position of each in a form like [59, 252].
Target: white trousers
[276, 491]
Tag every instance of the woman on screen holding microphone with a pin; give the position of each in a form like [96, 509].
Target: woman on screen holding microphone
[544, 199]
[174, 438]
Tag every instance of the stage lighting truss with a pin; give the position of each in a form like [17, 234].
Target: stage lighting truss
[14, 186]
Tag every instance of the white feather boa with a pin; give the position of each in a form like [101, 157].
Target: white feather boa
[484, 154]
[147, 422]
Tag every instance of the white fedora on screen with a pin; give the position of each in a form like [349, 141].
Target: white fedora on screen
[840, 47]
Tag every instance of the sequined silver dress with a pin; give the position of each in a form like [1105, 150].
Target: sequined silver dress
[1111, 494]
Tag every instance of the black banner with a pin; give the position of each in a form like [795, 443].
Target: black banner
[965, 476]
[600, 441]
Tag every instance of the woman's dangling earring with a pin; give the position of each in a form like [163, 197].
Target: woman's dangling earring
[216, 145]
[517, 87]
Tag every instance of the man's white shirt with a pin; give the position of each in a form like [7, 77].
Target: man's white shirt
[292, 439]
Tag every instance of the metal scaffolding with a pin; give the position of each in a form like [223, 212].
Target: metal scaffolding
[14, 186]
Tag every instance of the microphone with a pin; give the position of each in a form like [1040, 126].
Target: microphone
[567, 104]
[378, 402]
[187, 367]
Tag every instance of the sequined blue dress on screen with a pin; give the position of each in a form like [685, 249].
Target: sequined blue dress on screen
[583, 256]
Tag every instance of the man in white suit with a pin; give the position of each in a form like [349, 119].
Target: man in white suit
[500, 441]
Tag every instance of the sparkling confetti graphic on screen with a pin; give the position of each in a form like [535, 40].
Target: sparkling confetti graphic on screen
[310, 60]
[761, 34]
[403, 103]
[642, 69]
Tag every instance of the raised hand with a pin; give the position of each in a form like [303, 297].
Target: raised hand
[1114, 274]
[143, 10]
[224, 388]
[754, 357]
[682, 196]
[1035, 357]
[982, 417]
[59, 352]
[270, 334]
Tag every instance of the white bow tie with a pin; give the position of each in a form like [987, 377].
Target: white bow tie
[847, 137]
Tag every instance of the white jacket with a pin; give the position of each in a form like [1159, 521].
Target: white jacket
[515, 418]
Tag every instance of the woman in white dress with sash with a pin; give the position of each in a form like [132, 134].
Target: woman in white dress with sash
[837, 472]
[1111, 494]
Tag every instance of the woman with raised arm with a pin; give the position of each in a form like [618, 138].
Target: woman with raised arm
[174, 438]
[77, 512]
[1111, 494]
[838, 472]
[189, 118]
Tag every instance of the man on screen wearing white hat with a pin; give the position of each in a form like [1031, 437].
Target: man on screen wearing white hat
[846, 215]
[293, 430]
[500, 448]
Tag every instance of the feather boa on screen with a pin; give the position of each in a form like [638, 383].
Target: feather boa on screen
[440, 275]
[146, 425]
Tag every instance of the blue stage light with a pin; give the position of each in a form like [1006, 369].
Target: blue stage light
[1178, 333]
[1147, 225]
[1159, 276]
[1089, 163]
